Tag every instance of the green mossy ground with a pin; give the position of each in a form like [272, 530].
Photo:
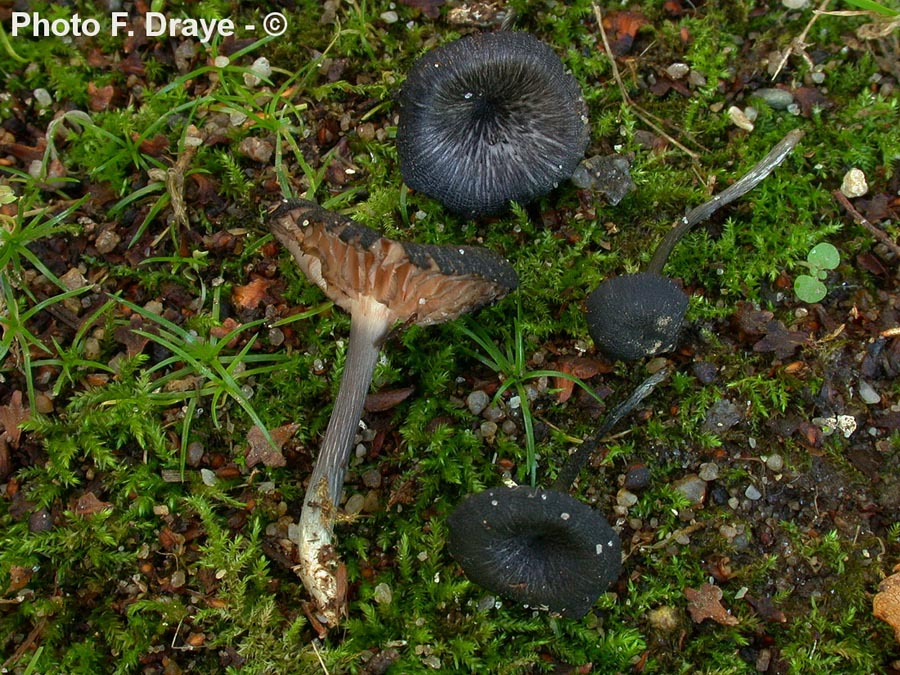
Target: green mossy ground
[135, 537]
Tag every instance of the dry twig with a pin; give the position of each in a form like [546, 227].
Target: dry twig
[860, 219]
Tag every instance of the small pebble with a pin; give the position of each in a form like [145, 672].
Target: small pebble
[372, 503]
[678, 70]
[194, 454]
[795, 4]
[390, 16]
[276, 337]
[355, 504]
[709, 471]
[775, 463]
[705, 372]
[42, 98]
[625, 498]
[777, 99]
[509, 428]
[752, 493]
[740, 119]
[693, 487]
[493, 414]
[366, 131]
[868, 394]
[854, 184]
[637, 477]
[91, 349]
[257, 149]
[107, 241]
[382, 594]
[74, 279]
[372, 478]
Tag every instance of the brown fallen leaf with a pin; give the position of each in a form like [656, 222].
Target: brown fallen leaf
[780, 340]
[11, 416]
[134, 343]
[100, 97]
[578, 366]
[886, 603]
[622, 28]
[19, 577]
[252, 294]
[261, 450]
[387, 399]
[766, 609]
[88, 504]
[706, 603]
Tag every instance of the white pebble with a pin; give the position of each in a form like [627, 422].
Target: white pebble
[854, 184]
[739, 118]
[868, 394]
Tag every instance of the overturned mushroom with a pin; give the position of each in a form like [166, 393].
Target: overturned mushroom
[538, 547]
[641, 314]
[488, 119]
[381, 283]
[542, 547]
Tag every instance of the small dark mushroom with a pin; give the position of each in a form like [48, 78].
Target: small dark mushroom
[542, 547]
[538, 547]
[637, 315]
[382, 283]
[488, 119]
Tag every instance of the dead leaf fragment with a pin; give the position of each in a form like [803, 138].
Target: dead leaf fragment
[100, 97]
[886, 603]
[251, 295]
[11, 416]
[18, 578]
[261, 450]
[386, 399]
[706, 603]
[622, 29]
[780, 340]
[578, 366]
[88, 504]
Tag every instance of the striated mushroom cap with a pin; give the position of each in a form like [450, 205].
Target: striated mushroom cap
[539, 547]
[490, 118]
[636, 315]
[418, 283]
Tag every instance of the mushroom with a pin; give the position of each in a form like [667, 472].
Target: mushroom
[538, 547]
[490, 118]
[641, 314]
[542, 547]
[381, 283]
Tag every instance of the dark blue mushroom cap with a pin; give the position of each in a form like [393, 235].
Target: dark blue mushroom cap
[542, 548]
[488, 119]
[636, 315]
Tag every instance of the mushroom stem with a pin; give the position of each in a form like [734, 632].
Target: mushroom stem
[738, 189]
[318, 566]
[576, 461]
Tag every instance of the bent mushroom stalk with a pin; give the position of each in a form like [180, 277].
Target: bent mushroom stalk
[637, 315]
[542, 547]
[381, 283]
[488, 119]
